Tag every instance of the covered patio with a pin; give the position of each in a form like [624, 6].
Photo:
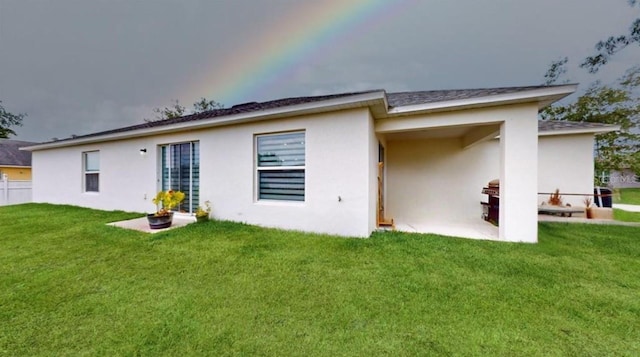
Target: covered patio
[438, 159]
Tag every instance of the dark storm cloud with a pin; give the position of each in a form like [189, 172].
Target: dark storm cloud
[80, 66]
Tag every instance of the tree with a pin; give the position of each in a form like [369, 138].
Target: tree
[8, 120]
[174, 111]
[177, 110]
[617, 104]
[204, 105]
[612, 45]
[555, 71]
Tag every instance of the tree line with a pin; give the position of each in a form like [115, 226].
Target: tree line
[615, 103]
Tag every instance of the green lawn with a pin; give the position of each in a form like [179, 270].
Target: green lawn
[70, 285]
[626, 216]
[629, 196]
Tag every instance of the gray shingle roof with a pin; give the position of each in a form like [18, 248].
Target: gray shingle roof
[423, 97]
[219, 113]
[394, 100]
[555, 125]
[11, 155]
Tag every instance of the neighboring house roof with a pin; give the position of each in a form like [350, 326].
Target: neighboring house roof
[11, 155]
[382, 104]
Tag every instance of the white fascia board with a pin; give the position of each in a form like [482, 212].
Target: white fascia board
[377, 98]
[545, 96]
[578, 131]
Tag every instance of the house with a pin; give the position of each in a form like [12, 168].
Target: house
[624, 178]
[339, 164]
[15, 163]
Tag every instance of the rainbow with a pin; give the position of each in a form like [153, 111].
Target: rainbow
[311, 30]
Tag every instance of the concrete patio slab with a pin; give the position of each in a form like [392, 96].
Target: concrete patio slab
[484, 230]
[141, 224]
[475, 230]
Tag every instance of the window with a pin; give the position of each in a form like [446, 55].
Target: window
[281, 166]
[91, 171]
[181, 172]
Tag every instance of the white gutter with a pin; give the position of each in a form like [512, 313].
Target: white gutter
[576, 131]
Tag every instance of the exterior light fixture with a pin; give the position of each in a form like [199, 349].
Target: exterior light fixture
[143, 151]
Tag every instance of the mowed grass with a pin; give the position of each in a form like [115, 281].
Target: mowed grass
[629, 196]
[626, 216]
[70, 285]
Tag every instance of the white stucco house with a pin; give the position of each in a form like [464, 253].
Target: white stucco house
[339, 164]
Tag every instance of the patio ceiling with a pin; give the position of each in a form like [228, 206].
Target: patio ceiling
[469, 134]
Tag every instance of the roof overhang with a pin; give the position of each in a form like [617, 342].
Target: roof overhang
[542, 96]
[376, 101]
[579, 131]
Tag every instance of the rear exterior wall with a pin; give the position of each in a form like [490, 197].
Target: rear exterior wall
[566, 164]
[340, 174]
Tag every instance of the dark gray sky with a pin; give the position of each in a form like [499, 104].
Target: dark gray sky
[77, 67]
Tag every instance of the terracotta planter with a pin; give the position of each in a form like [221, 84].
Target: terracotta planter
[159, 222]
[602, 213]
[589, 213]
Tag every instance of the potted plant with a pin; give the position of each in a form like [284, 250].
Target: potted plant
[555, 199]
[202, 214]
[165, 201]
[588, 210]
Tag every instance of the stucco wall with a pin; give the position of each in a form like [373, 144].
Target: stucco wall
[372, 182]
[435, 180]
[127, 180]
[566, 163]
[338, 174]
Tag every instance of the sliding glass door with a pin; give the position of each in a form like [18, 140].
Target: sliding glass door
[181, 172]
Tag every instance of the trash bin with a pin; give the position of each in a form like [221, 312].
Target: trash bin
[603, 197]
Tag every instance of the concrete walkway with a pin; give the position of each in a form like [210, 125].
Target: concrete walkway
[141, 224]
[630, 208]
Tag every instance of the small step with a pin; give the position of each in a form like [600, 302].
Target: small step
[386, 223]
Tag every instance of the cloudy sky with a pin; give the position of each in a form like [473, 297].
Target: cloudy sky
[81, 66]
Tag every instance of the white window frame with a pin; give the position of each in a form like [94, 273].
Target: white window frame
[258, 169]
[86, 171]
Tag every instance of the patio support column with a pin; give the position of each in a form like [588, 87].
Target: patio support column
[519, 178]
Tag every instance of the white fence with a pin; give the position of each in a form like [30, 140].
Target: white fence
[13, 192]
